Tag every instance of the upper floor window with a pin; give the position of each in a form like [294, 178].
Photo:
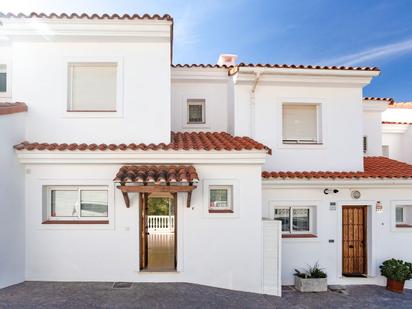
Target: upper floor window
[196, 111]
[301, 123]
[92, 87]
[3, 78]
[71, 204]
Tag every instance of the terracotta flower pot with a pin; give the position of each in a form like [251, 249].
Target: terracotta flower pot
[395, 285]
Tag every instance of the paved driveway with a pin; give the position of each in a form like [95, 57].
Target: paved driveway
[185, 295]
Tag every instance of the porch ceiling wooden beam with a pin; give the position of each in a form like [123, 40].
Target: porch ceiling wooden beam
[150, 189]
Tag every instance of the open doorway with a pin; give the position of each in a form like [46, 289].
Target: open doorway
[158, 230]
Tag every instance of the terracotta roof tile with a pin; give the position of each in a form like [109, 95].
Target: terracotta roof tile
[301, 66]
[407, 105]
[179, 141]
[275, 66]
[204, 66]
[12, 108]
[378, 99]
[87, 16]
[375, 167]
[156, 174]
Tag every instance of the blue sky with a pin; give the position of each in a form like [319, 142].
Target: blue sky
[350, 32]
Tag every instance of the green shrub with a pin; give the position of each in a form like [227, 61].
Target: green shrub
[396, 270]
[313, 272]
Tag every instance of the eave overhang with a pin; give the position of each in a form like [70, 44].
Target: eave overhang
[285, 76]
[143, 157]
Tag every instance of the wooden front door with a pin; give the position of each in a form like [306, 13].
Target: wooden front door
[143, 228]
[354, 236]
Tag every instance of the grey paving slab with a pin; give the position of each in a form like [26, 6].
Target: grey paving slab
[78, 295]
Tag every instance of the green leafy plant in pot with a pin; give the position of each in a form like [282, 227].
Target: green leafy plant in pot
[396, 272]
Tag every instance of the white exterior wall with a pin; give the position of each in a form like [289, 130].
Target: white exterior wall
[217, 250]
[372, 128]
[11, 201]
[342, 139]
[187, 85]
[40, 79]
[384, 241]
[399, 140]
[397, 115]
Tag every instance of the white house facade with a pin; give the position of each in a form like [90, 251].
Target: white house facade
[127, 167]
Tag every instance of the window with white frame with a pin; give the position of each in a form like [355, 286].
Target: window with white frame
[295, 220]
[403, 216]
[220, 199]
[3, 78]
[77, 203]
[301, 123]
[385, 151]
[92, 87]
[196, 111]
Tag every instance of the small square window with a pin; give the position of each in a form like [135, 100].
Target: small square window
[196, 111]
[295, 220]
[3, 78]
[77, 204]
[92, 87]
[301, 124]
[403, 214]
[220, 199]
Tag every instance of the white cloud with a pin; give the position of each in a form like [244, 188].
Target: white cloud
[381, 52]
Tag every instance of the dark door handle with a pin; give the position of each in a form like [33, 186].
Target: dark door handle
[351, 246]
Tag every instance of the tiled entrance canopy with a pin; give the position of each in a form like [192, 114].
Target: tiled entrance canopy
[145, 179]
[157, 174]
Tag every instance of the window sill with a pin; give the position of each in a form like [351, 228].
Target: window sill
[403, 226]
[76, 222]
[220, 211]
[299, 236]
[308, 143]
[90, 111]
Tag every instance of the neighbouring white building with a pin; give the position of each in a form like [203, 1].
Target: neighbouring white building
[121, 166]
[397, 131]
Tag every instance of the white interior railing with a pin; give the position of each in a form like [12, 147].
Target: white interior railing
[161, 224]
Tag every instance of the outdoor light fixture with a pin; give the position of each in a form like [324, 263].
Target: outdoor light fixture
[329, 191]
[355, 194]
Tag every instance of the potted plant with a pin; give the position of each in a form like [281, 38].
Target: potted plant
[313, 279]
[396, 273]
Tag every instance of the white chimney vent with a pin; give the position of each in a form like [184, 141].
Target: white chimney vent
[227, 59]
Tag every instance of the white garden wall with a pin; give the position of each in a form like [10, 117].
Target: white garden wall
[217, 250]
[11, 201]
[384, 241]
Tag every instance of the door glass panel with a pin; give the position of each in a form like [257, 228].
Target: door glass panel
[283, 215]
